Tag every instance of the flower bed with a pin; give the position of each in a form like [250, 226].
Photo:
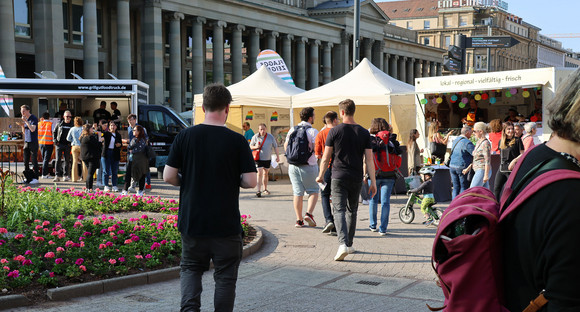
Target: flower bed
[51, 237]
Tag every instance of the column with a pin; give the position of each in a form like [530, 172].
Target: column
[417, 73]
[386, 63]
[123, 40]
[410, 70]
[393, 64]
[287, 51]
[153, 51]
[8, 50]
[301, 62]
[218, 51]
[197, 54]
[254, 48]
[402, 69]
[236, 53]
[439, 68]
[271, 40]
[90, 44]
[433, 69]
[48, 39]
[314, 69]
[327, 63]
[425, 69]
[175, 61]
[368, 48]
[377, 54]
[345, 53]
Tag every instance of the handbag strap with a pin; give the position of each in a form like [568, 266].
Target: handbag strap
[455, 145]
[263, 141]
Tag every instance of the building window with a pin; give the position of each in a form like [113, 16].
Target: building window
[426, 24]
[462, 21]
[73, 22]
[426, 41]
[447, 42]
[481, 62]
[22, 18]
[409, 25]
[447, 22]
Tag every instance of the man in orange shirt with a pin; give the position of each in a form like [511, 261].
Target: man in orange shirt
[330, 120]
[45, 142]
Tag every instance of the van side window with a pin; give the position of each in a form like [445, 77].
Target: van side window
[161, 122]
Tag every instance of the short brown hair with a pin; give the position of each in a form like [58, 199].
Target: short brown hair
[330, 117]
[78, 121]
[495, 125]
[216, 97]
[347, 106]
[306, 113]
[131, 116]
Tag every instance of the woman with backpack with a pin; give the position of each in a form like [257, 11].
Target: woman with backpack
[511, 148]
[382, 141]
[414, 160]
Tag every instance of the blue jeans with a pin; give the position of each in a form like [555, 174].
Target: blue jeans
[478, 178]
[196, 253]
[110, 168]
[46, 151]
[384, 190]
[459, 181]
[345, 195]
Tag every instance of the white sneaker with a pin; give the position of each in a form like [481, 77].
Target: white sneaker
[124, 192]
[115, 189]
[341, 253]
[350, 250]
[44, 177]
[66, 179]
[56, 179]
[99, 184]
[365, 202]
[33, 181]
[140, 193]
[106, 189]
[131, 189]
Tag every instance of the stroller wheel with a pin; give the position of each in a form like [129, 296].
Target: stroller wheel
[406, 215]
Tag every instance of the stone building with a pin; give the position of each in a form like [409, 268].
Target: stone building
[438, 21]
[178, 46]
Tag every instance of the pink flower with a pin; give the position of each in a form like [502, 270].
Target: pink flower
[82, 244]
[59, 249]
[45, 223]
[27, 262]
[49, 254]
[111, 228]
[6, 268]
[4, 261]
[61, 235]
[51, 274]
[120, 232]
[28, 252]
[148, 256]
[38, 238]
[96, 221]
[50, 242]
[3, 231]
[155, 246]
[122, 259]
[112, 261]
[173, 241]
[102, 246]
[135, 204]
[144, 217]
[19, 258]
[135, 238]
[128, 241]
[38, 227]
[79, 261]
[109, 244]
[80, 217]
[58, 261]
[78, 224]
[139, 256]
[19, 236]
[14, 274]
[82, 267]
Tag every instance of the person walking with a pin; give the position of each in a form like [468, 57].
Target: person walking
[264, 142]
[102, 128]
[111, 156]
[385, 180]
[511, 148]
[63, 147]
[29, 125]
[132, 120]
[139, 161]
[414, 160]
[73, 137]
[303, 176]
[90, 153]
[330, 121]
[45, 141]
[203, 159]
[350, 145]
[481, 163]
[248, 132]
[461, 158]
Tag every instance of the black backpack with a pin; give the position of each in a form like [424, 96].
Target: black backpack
[298, 150]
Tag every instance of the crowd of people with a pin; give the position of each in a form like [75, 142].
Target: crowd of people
[82, 151]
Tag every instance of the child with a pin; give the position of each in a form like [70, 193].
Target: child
[427, 189]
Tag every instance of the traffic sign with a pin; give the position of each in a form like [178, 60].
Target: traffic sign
[455, 52]
[452, 65]
[491, 42]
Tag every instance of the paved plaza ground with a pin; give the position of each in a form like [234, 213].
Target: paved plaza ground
[294, 270]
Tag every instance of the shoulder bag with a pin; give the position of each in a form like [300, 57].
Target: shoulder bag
[448, 160]
[256, 153]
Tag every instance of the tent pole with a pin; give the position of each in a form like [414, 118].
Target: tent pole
[291, 115]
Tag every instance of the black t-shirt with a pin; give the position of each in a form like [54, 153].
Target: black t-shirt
[349, 142]
[211, 160]
[510, 153]
[101, 113]
[540, 249]
[116, 115]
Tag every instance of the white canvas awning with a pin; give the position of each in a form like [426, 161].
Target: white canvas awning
[365, 85]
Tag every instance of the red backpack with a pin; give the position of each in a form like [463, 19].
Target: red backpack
[466, 253]
[386, 154]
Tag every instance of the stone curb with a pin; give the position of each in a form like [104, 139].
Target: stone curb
[112, 284]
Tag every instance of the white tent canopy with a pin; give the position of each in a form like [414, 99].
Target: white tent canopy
[262, 88]
[365, 85]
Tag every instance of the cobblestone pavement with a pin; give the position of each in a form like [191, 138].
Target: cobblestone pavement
[295, 271]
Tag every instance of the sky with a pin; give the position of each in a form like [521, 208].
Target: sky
[553, 17]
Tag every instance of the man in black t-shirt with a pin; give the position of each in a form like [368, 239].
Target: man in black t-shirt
[116, 116]
[347, 144]
[205, 160]
[101, 113]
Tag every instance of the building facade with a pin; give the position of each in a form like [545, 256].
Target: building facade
[438, 21]
[179, 46]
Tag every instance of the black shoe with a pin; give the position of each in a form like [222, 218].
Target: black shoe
[258, 194]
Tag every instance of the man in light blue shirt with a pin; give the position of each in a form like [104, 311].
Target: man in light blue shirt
[248, 132]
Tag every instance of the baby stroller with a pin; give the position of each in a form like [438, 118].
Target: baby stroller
[407, 214]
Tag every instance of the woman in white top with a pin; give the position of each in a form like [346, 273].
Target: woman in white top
[264, 142]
